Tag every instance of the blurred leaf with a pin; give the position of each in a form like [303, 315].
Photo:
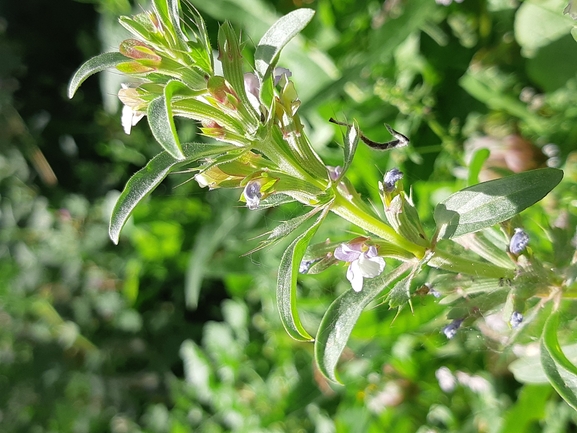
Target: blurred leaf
[529, 407]
[341, 317]
[96, 64]
[561, 372]
[287, 281]
[208, 239]
[480, 206]
[476, 164]
[540, 22]
[277, 36]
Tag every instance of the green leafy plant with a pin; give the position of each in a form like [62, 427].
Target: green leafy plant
[478, 259]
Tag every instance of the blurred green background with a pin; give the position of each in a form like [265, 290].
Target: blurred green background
[174, 330]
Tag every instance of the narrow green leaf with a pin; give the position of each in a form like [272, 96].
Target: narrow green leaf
[351, 141]
[149, 177]
[161, 120]
[342, 315]
[96, 64]
[283, 230]
[480, 206]
[287, 281]
[277, 36]
[560, 371]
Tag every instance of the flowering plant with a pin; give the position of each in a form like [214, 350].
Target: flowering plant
[258, 144]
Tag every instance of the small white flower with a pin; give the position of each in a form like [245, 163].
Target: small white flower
[364, 263]
[129, 118]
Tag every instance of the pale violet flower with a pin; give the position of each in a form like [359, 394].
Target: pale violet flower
[252, 194]
[364, 262]
[252, 84]
[519, 241]
[391, 178]
[451, 329]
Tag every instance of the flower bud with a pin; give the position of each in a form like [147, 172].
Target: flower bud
[518, 241]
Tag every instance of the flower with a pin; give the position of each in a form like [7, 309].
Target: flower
[252, 194]
[451, 329]
[518, 241]
[516, 319]
[132, 102]
[391, 178]
[364, 262]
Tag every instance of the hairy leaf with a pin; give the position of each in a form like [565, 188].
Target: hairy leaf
[274, 40]
[342, 315]
[480, 206]
[90, 67]
[287, 281]
[149, 177]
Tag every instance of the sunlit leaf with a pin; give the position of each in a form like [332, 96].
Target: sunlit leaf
[161, 122]
[480, 206]
[91, 67]
[279, 34]
[287, 281]
[342, 315]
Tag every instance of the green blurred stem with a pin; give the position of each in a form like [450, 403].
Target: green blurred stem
[344, 208]
[449, 262]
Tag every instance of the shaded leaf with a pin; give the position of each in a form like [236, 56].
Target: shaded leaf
[480, 206]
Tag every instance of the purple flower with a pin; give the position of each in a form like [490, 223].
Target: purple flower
[391, 178]
[364, 262]
[516, 319]
[252, 194]
[519, 241]
[451, 329]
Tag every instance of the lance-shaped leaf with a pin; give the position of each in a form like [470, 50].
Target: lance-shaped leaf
[480, 206]
[276, 37]
[350, 142]
[161, 122]
[148, 178]
[283, 230]
[342, 315]
[287, 281]
[561, 372]
[91, 67]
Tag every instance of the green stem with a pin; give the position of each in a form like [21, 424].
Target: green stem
[349, 211]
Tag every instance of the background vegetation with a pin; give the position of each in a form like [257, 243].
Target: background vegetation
[174, 330]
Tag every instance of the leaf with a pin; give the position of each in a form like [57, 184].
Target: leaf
[96, 64]
[287, 281]
[161, 121]
[342, 315]
[476, 164]
[277, 36]
[149, 177]
[351, 141]
[560, 371]
[480, 206]
[283, 230]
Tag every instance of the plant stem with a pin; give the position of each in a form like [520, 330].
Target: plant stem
[344, 208]
[449, 262]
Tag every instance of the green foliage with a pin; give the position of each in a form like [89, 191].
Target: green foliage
[177, 328]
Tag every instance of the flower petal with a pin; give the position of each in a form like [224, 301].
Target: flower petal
[346, 254]
[355, 276]
[370, 267]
